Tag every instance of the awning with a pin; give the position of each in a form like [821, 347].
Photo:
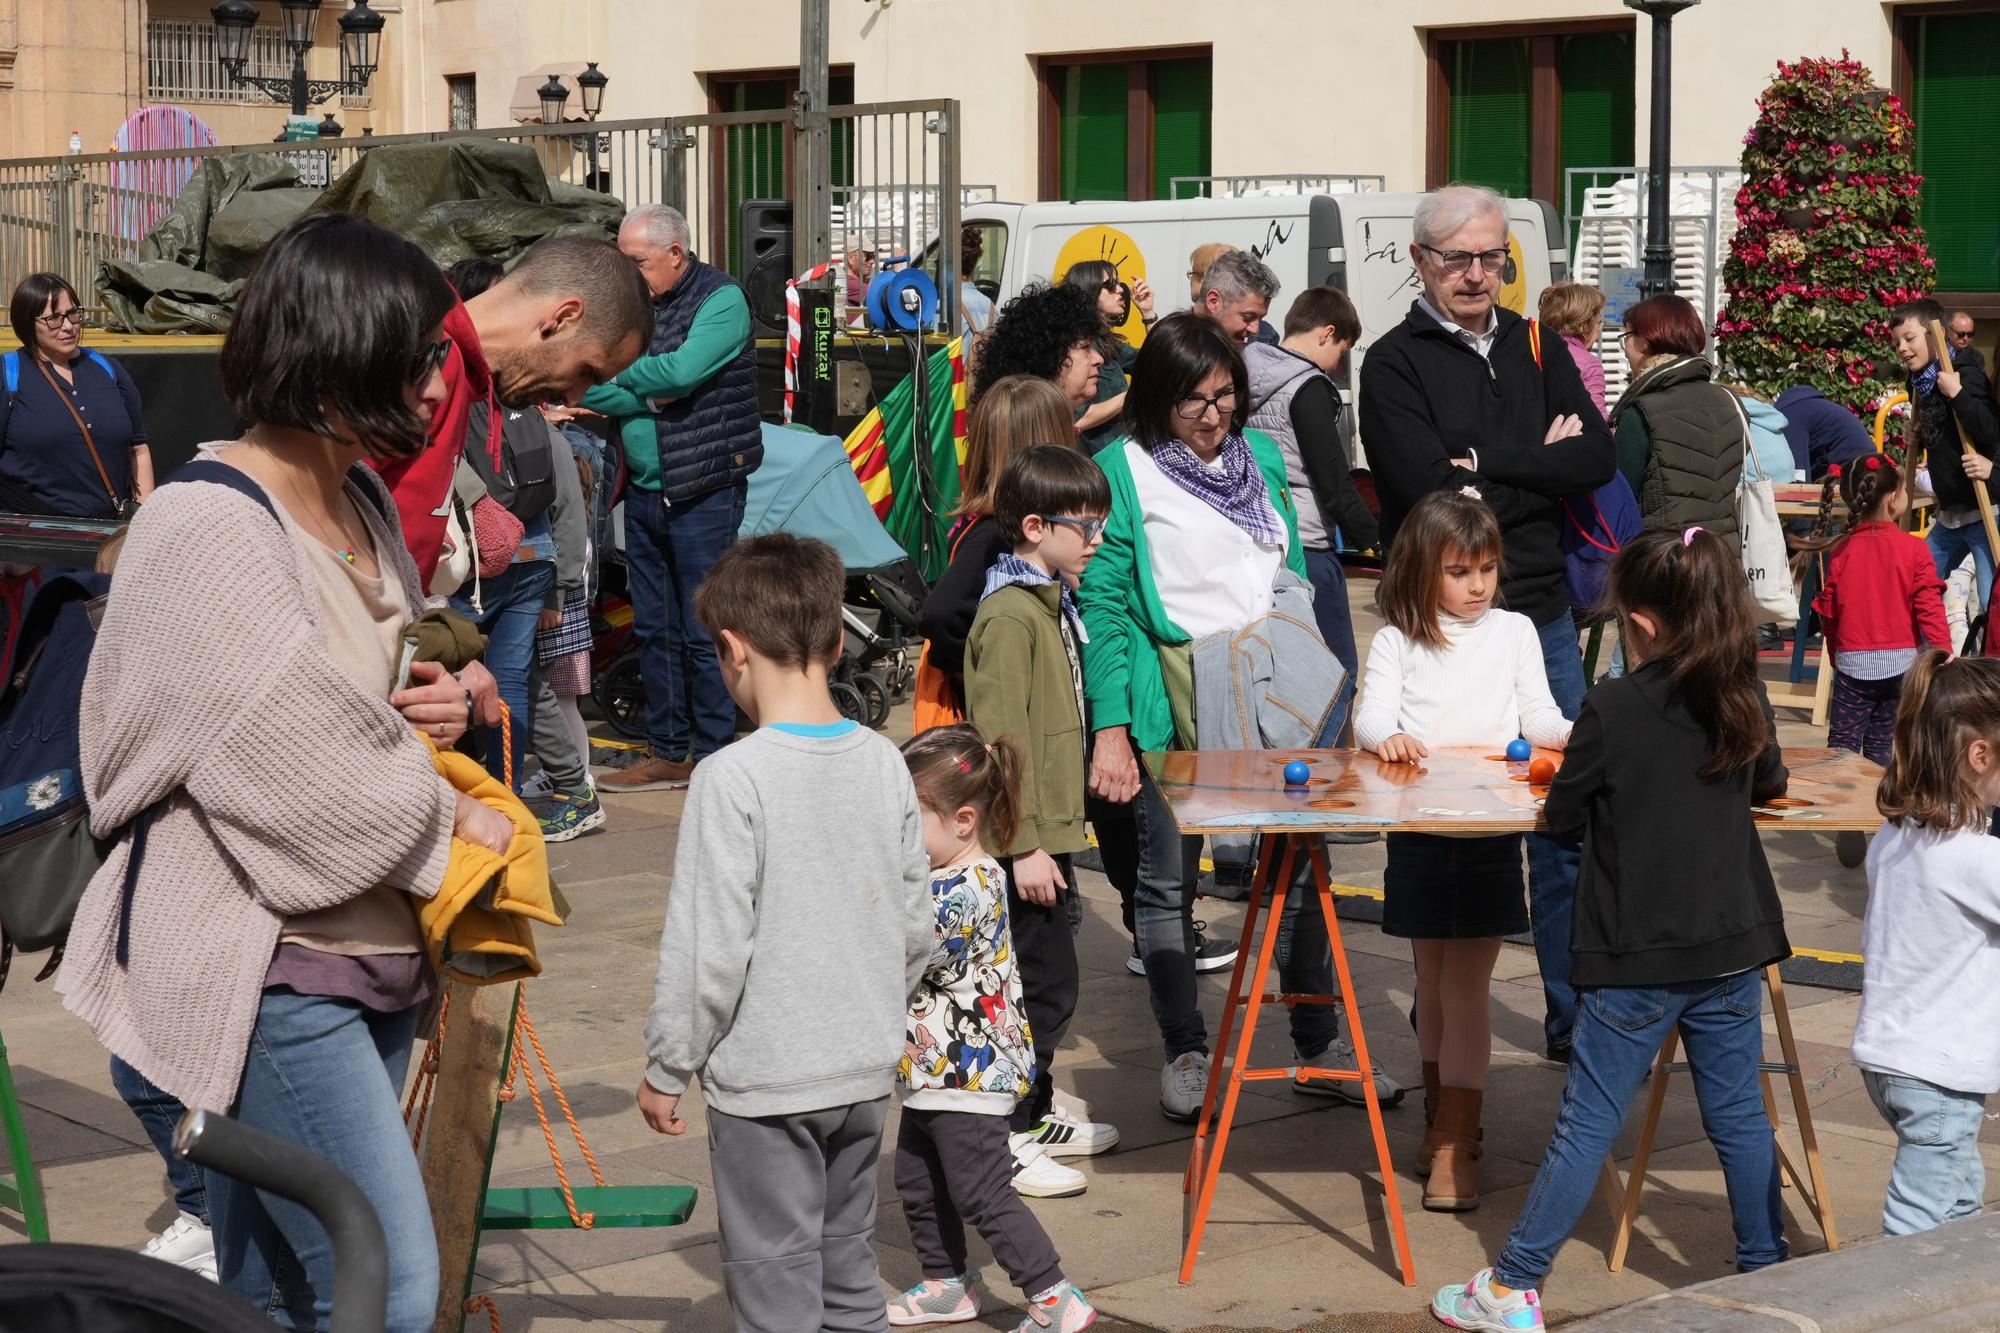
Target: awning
[526, 106]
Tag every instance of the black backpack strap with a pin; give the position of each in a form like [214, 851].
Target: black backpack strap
[369, 482]
[219, 473]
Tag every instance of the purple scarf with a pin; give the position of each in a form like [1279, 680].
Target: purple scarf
[1236, 490]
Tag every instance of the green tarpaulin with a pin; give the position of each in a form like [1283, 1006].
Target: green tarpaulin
[457, 199]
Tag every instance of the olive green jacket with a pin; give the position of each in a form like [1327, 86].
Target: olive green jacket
[1018, 685]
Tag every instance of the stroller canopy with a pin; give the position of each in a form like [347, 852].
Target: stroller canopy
[806, 486]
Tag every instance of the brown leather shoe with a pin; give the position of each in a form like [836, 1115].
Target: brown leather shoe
[647, 775]
[1453, 1186]
[1428, 1148]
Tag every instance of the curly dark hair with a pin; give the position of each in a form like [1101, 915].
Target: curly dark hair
[1034, 333]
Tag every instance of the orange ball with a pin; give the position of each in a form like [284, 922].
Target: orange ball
[1542, 772]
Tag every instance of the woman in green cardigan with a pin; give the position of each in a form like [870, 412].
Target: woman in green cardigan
[1201, 521]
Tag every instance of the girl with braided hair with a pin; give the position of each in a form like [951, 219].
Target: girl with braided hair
[1880, 605]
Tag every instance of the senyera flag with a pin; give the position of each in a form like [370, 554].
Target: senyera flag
[914, 491]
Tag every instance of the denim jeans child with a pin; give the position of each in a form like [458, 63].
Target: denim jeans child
[1552, 863]
[1619, 1030]
[1938, 1176]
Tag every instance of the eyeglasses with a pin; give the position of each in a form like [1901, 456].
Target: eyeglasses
[1456, 262]
[1089, 528]
[53, 323]
[426, 362]
[1195, 408]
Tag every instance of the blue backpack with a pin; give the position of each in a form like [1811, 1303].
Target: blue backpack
[10, 365]
[1595, 528]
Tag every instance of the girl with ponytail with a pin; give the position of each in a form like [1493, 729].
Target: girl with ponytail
[1930, 997]
[1676, 914]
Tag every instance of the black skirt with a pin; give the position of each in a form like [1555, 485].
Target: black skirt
[1453, 888]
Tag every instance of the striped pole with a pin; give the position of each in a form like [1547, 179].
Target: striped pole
[813, 274]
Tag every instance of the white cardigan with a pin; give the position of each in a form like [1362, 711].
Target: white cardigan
[1486, 686]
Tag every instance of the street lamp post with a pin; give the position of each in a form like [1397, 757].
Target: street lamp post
[554, 96]
[1659, 274]
[360, 44]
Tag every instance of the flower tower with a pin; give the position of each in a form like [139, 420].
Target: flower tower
[1827, 237]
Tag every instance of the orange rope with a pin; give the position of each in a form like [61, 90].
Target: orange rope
[477, 1303]
[425, 1084]
[562, 1099]
[524, 1029]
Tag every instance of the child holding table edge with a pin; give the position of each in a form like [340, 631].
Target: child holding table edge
[1452, 669]
[968, 1053]
[1930, 997]
[798, 925]
[1672, 931]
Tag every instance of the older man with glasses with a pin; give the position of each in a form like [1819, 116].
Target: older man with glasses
[1961, 330]
[1461, 394]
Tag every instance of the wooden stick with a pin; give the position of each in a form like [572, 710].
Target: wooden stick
[1941, 349]
[457, 1151]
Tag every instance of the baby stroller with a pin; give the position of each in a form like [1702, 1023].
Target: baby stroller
[804, 486]
[95, 1289]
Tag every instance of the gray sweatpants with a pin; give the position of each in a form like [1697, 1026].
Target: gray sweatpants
[795, 1202]
[553, 744]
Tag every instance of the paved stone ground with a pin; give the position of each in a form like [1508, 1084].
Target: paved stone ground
[1296, 1240]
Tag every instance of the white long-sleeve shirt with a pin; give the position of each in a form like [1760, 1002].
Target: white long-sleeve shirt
[1486, 686]
[1930, 994]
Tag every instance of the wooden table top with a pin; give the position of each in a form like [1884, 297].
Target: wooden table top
[1466, 790]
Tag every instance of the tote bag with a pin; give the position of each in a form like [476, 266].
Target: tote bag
[1765, 562]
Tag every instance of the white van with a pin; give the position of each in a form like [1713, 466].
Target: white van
[1359, 243]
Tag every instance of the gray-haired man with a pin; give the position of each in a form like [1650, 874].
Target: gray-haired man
[687, 415]
[1237, 292]
[1458, 395]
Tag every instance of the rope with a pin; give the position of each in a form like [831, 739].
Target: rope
[524, 1032]
[426, 1081]
[475, 1304]
[792, 331]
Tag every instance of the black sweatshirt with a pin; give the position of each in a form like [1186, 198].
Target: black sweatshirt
[1315, 414]
[1429, 403]
[954, 599]
[1938, 420]
[1674, 885]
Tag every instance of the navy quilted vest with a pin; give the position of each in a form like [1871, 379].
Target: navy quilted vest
[712, 438]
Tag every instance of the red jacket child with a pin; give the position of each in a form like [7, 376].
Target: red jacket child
[1882, 591]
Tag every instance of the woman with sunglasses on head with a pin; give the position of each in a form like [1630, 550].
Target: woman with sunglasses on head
[72, 435]
[1202, 522]
[1098, 279]
[251, 944]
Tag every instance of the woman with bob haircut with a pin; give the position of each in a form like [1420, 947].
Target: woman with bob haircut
[1201, 522]
[1681, 436]
[251, 944]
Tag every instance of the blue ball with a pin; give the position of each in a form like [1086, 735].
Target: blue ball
[1519, 749]
[1296, 773]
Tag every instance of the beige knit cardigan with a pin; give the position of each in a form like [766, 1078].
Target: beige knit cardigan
[279, 785]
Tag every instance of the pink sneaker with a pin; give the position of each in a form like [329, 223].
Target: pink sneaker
[1065, 1311]
[936, 1300]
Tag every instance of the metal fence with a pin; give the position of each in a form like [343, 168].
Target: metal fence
[895, 182]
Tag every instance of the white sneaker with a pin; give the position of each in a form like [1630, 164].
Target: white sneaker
[1340, 1055]
[1183, 1085]
[1040, 1176]
[185, 1244]
[1064, 1133]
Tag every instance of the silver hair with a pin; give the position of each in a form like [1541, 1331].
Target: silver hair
[661, 224]
[1238, 274]
[1441, 213]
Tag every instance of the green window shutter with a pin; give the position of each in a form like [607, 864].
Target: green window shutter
[1492, 84]
[1954, 87]
[1091, 128]
[754, 157]
[1594, 71]
[1181, 99]
[840, 92]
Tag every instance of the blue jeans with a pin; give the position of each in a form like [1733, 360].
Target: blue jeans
[327, 1074]
[1950, 546]
[1938, 1176]
[1551, 862]
[668, 550]
[159, 1113]
[1336, 626]
[1619, 1031]
[513, 601]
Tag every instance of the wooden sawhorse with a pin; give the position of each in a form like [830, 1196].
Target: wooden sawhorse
[1239, 1017]
[1624, 1198]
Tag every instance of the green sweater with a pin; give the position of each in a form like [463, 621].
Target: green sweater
[721, 327]
[1018, 684]
[1123, 682]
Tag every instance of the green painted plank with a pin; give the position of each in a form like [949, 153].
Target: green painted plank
[615, 1206]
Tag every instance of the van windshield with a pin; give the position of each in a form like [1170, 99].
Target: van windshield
[984, 244]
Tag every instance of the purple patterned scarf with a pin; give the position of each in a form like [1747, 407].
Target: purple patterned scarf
[1236, 490]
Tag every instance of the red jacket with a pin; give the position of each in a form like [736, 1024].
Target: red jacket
[422, 485]
[1882, 591]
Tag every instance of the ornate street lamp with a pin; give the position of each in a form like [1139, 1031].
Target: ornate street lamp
[1659, 275]
[360, 45]
[591, 84]
[554, 94]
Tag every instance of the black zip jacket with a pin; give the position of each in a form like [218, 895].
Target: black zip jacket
[1674, 885]
[1429, 403]
[1938, 420]
[954, 599]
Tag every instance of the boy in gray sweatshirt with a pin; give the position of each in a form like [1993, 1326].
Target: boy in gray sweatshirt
[798, 925]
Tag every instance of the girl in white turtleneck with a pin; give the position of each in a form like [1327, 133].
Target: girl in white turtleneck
[1451, 669]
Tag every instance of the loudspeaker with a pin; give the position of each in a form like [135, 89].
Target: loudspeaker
[767, 260]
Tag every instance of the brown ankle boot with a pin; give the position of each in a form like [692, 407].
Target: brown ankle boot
[1428, 1147]
[1453, 1186]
